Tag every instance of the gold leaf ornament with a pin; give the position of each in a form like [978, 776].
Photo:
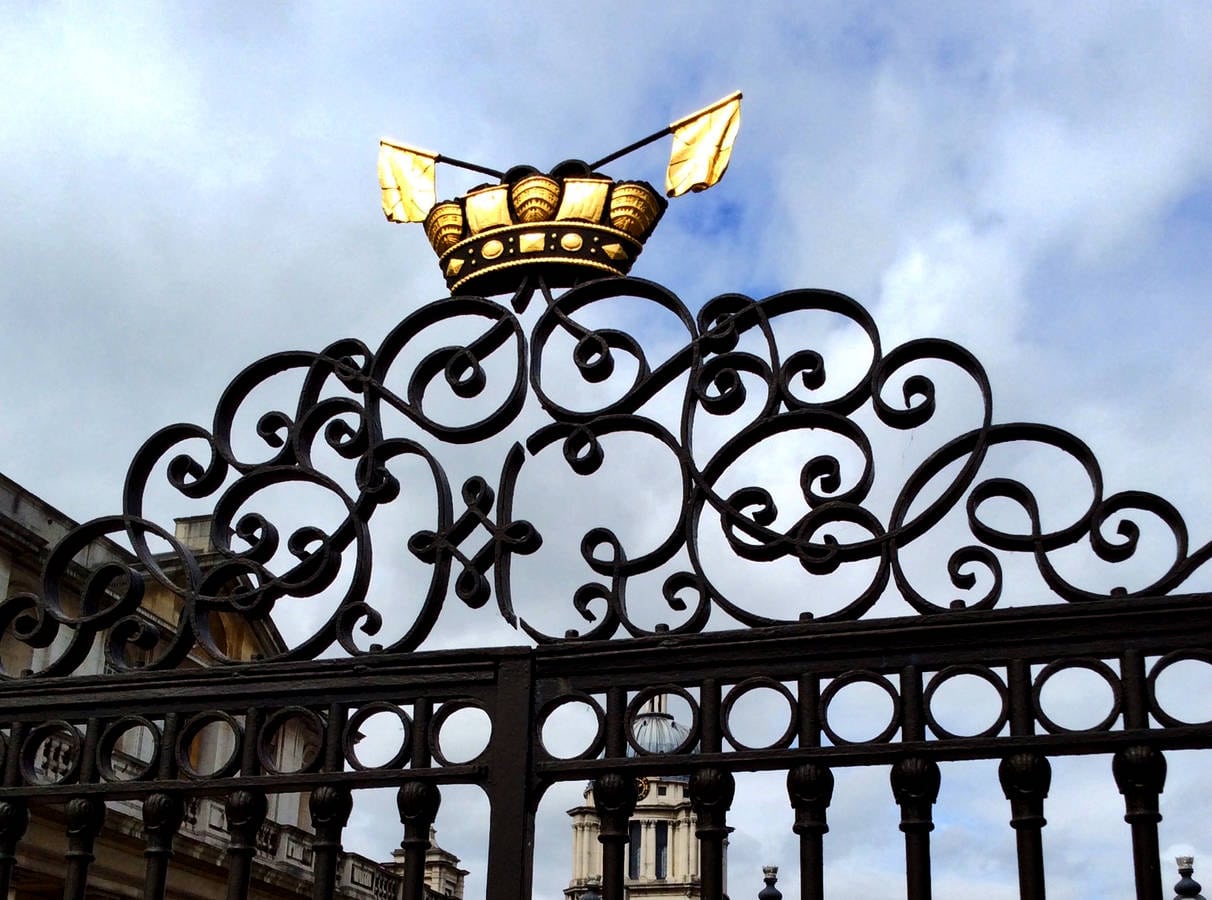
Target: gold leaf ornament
[406, 180]
[702, 147]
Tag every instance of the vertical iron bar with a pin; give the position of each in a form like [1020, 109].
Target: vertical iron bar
[330, 808]
[1140, 775]
[915, 784]
[162, 816]
[913, 719]
[417, 802]
[14, 814]
[810, 788]
[422, 712]
[1022, 707]
[616, 723]
[614, 796]
[245, 811]
[12, 759]
[711, 792]
[1132, 680]
[85, 816]
[14, 819]
[163, 813]
[810, 710]
[510, 782]
[1025, 779]
[422, 758]
[711, 732]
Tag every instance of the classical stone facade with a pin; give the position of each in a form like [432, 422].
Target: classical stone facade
[662, 850]
[282, 866]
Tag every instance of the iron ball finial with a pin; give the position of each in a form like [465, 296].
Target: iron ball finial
[770, 875]
[1187, 886]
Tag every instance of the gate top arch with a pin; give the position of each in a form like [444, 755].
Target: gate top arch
[774, 417]
[732, 365]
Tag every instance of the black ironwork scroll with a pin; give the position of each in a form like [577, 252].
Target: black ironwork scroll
[745, 370]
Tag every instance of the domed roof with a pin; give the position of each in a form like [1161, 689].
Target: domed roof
[658, 732]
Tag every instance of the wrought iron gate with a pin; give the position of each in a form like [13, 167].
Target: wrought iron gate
[708, 646]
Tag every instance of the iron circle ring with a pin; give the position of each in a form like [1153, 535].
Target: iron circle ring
[1160, 666]
[744, 687]
[29, 751]
[447, 710]
[649, 693]
[1098, 667]
[193, 728]
[853, 677]
[270, 726]
[985, 674]
[109, 743]
[351, 736]
[599, 739]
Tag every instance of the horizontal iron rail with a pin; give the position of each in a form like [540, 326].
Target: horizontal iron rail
[1196, 737]
[1037, 635]
[1031, 635]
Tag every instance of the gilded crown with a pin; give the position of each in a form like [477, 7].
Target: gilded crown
[569, 225]
[573, 223]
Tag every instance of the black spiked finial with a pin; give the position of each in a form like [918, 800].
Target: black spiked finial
[1187, 886]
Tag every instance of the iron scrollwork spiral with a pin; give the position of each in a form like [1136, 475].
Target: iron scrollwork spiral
[727, 368]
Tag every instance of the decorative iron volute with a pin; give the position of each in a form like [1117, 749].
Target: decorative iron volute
[245, 811]
[417, 803]
[1140, 775]
[1025, 779]
[163, 813]
[810, 789]
[330, 808]
[915, 784]
[85, 816]
[711, 792]
[614, 797]
[14, 819]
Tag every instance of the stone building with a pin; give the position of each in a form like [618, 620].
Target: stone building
[662, 849]
[29, 527]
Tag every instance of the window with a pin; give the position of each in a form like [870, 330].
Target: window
[633, 851]
[662, 850]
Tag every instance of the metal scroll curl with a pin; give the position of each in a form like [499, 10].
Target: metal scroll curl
[715, 393]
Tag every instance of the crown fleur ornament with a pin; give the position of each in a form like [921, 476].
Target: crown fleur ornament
[569, 225]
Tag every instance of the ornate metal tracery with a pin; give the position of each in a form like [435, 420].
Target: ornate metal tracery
[716, 372]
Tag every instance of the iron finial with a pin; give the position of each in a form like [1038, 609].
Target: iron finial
[770, 874]
[1187, 886]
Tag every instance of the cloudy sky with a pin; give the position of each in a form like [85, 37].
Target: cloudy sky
[189, 188]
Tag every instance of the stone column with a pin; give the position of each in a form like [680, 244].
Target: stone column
[648, 850]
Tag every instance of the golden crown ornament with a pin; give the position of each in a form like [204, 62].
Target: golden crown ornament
[570, 224]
